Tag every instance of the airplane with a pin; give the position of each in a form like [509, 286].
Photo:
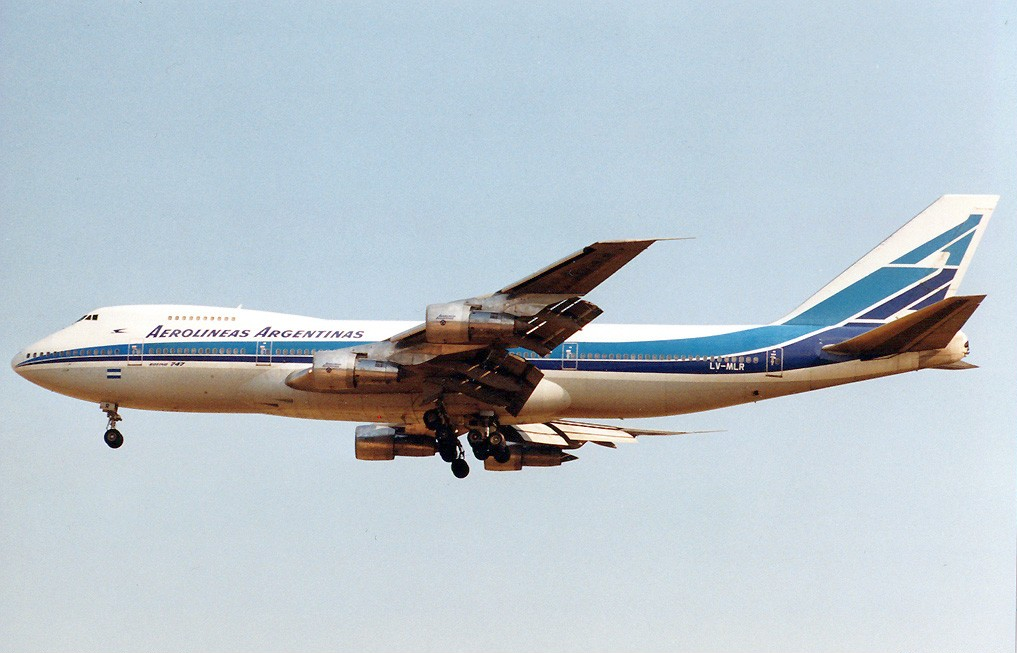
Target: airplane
[520, 370]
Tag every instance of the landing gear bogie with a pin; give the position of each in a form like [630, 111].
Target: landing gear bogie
[489, 442]
[448, 449]
[433, 419]
[502, 455]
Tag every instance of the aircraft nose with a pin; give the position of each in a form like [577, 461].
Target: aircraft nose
[18, 358]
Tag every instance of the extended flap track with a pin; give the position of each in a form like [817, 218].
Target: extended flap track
[493, 376]
[556, 323]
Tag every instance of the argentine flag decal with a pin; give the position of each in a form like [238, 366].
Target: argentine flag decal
[113, 373]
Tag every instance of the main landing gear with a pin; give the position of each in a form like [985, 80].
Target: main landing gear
[484, 439]
[113, 437]
[488, 442]
[449, 447]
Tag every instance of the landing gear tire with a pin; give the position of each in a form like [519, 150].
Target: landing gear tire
[448, 449]
[113, 438]
[432, 419]
[495, 440]
[481, 452]
[460, 468]
[502, 455]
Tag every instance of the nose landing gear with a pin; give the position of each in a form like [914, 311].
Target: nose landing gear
[113, 437]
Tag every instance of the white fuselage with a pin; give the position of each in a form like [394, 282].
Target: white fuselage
[232, 360]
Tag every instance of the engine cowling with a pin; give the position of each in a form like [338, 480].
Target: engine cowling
[528, 456]
[458, 323]
[344, 370]
[375, 442]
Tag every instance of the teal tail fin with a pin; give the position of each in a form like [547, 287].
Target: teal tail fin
[921, 264]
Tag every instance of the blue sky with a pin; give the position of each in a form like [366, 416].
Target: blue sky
[364, 160]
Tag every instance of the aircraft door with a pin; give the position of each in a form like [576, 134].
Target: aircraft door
[775, 362]
[570, 355]
[263, 353]
[135, 354]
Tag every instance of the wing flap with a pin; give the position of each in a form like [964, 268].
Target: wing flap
[568, 433]
[927, 329]
[540, 434]
[556, 323]
[493, 376]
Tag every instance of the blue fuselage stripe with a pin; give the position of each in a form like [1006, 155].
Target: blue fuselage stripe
[741, 351]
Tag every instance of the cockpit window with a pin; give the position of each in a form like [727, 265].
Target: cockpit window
[92, 316]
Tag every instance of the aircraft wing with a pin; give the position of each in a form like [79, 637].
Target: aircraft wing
[547, 304]
[581, 272]
[565, 433]
[547, 444]
[462, 347]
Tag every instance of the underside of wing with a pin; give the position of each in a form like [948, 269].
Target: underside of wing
[547, 444]
[491, 376]
[555, 323]
[505, 447]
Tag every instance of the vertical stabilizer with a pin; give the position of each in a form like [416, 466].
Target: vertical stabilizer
[919, 265]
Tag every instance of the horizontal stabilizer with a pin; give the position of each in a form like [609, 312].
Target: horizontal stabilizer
[959, 365]
[927, 329]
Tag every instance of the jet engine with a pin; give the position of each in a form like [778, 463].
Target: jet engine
[459, 323]
[344, 369]
[529, 456]
[374, 442]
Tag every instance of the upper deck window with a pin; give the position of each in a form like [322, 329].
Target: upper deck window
[215, 318]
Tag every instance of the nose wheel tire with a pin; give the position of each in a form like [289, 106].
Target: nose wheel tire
[113, 438]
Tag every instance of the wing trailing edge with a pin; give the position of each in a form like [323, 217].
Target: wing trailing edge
[567, 433]
[547, 444]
